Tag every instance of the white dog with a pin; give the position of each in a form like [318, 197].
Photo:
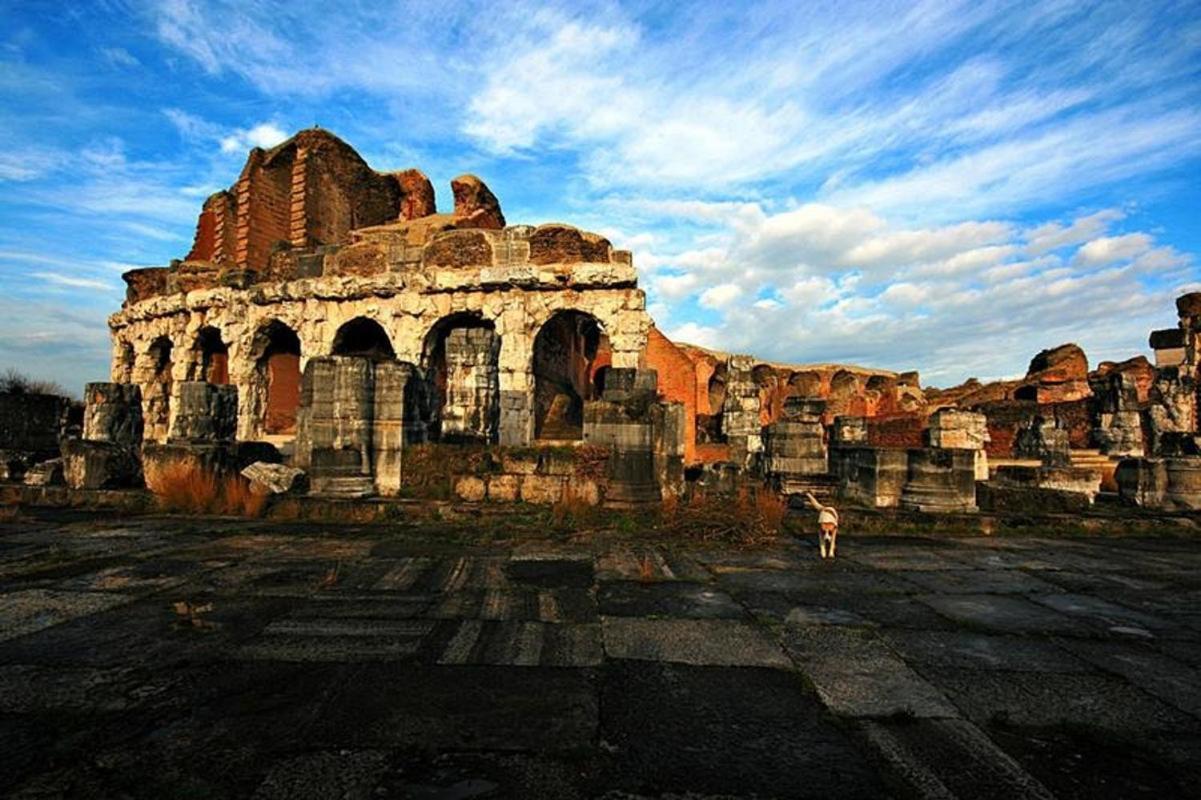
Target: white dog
[827, 521]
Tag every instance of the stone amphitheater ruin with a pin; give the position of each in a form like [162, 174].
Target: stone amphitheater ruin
[328, 320]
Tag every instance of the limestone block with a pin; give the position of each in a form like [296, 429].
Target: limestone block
[268, 478]
[504, 488]
[541, 489]
[100, 465]
[849, 430]
[957, 429]
[470, 488]
[113, 413]
[45, 473]
[583, 490]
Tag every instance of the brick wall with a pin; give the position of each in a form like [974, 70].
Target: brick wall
[264, 207]
[677, 382]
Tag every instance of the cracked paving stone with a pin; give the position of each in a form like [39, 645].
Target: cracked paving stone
[31, 610]
[717, 642]
[961, 649]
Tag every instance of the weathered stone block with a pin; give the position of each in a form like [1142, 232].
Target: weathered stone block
[849, 430]
[871, 476]
[45, 473]
[113, 413]
[100, 465]
[504, 488]
[204, 413]
[1142, 481]
[268, 478]
[940, 480]
[471, 488]
[542, 489]
[957, 429]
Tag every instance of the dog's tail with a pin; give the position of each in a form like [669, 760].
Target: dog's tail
[813, 501]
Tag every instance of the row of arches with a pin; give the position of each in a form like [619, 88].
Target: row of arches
[459, 359]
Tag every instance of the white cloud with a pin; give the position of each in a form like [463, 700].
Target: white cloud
[265, 135]
[946, 303]
[1108, 249]
[73, 282]
[719, 296]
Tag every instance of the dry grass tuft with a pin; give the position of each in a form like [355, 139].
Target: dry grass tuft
[185, 488]
[646, 569]
[755, 515]
[330, 579]
[572, 510]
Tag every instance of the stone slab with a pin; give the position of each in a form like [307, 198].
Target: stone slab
[704, 642]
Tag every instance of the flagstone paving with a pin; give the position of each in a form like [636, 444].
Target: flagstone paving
[190, 658]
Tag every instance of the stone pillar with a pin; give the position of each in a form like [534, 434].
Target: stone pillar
[112, 413]
[108, 456]
[395, 422]
[335, 425]
[623, 421]
[795, 447]
[740, 413]
[470, 408]
[1119, 426]
[955, 429]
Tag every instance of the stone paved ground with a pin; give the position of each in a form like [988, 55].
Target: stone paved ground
[364, 662]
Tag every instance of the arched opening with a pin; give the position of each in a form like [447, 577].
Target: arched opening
[123, 369]
[460, 358]
[210, 357]
[805, 384]
[365, 338]
[568, 351]
[275, 388]
[708, 426]
[156, 394]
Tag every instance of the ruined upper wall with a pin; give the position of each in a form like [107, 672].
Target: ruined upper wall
[311, 207]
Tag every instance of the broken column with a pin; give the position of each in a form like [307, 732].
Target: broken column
[356, 415]
[942, 477]
[955, 429]
[1042, 440]
[109, 454]
[794, 448]
[870, 476]
[202, 431]
[395, 422]
[1119, 423]
[623, 421]
[334, 425]
[741, 423]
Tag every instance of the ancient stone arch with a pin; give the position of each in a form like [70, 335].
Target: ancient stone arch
[365, 337]
[273, 387]
[157, 380]
[460, 361]
[209, 359]
[569, 349]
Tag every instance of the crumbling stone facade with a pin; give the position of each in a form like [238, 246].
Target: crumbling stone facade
[331, 311]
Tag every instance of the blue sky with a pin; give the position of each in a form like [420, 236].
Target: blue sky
[943, 186]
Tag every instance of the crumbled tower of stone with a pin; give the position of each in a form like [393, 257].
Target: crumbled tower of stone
[795, 447]
[1045, 441]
